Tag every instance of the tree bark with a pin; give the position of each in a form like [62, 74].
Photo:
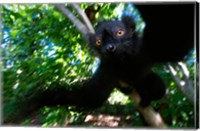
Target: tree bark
[79, 25]
[185, 84]
[151, 117]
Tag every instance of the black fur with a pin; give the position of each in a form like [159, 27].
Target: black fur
[169, 31]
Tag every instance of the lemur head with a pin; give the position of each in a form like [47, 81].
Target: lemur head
[115, 38]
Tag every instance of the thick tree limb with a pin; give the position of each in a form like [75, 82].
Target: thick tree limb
[184, 84]
[150, 116]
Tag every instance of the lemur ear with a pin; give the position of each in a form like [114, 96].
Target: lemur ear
[129, 22]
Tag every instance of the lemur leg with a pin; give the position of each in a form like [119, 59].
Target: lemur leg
[150, 116]
[150, 88]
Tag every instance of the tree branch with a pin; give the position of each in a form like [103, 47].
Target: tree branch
[84, 17]
[150, 116]
[184, 85]
[79, 25]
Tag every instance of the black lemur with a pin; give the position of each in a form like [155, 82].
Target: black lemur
[122, 60]
[127, 59]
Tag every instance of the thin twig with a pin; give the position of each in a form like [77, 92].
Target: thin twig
[184, 69]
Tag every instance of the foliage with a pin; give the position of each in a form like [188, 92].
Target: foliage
[175, 108]
[42, 47]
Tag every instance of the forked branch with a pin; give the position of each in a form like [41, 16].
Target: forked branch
[82, 28]
[84, 17]
[184, 84]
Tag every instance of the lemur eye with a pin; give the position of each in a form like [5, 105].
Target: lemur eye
[98, 42]
[119, 32]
